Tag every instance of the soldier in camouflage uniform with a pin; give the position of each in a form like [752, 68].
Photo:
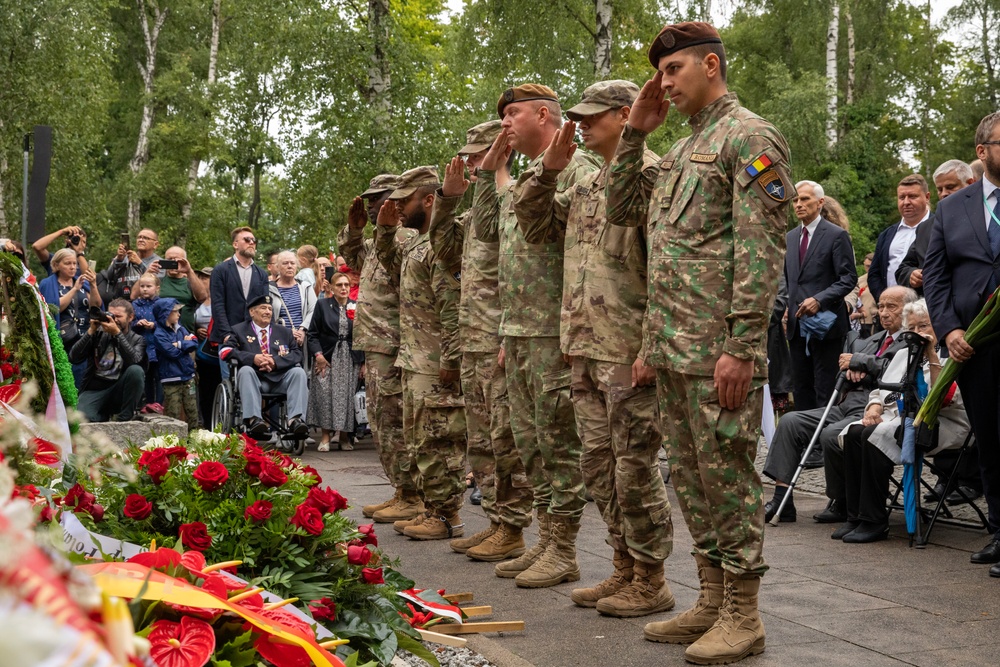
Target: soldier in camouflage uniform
[491, 451]
[603, 303]
[433, 407]
[538, 378]
[376, 332]
[716, 215]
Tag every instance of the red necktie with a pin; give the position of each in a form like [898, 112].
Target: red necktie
[803, 246]
[263, 341]
[885, 345]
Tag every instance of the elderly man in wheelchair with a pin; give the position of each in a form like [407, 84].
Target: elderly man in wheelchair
[269, 363]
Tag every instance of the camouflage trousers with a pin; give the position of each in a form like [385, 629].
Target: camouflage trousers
[541, 418]
[492, 454]
[178, 396]
[620, 463]
[434, 431]
[384, 396]
[711, 453]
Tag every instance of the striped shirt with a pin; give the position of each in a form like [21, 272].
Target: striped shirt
[293, 302]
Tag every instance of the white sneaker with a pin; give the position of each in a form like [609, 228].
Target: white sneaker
[323, 447]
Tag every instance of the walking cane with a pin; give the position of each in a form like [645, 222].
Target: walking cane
[841, 379]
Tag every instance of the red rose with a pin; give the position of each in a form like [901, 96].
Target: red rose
[368, 534]
[283, 460]
[137, 507]
[211, 476]
[79, 498]
[258, 511]
[372, 575]
[158, 468]
[308, 518]
[247, 440]
[324, 609]
[195, 536]
[326, 500]
[309, 470]
[48, 514]
[271, 474]
[97, 512]
[358, 555]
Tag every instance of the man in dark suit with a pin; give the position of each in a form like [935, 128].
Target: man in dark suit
[949, 177]
[819, 273]
[913, 200]
[961, 271]
[270, 361]
[234, 283]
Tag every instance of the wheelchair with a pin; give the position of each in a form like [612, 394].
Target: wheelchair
[227, 412]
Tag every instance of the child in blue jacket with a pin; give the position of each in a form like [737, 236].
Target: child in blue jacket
[174, 346]
[145, 293]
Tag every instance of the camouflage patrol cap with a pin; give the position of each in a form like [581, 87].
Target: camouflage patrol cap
[413, 179]
[381, 183]
[480, 137]
[524, 93]
[602, 96]
[677, 36]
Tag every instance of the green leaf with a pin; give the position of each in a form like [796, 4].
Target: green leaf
[417, 648]
[239, 652]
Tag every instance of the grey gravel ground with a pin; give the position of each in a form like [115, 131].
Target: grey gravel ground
[448, 656]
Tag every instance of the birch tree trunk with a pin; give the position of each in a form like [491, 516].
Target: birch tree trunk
[4, 229]
[213, 60]
[832, 35]
[602, 39]
[849, 16]
[151, 35]
[985, 24]
[378, 93]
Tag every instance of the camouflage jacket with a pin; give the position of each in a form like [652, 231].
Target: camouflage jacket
[716, 215]
[376, 321]
[428, 303]
[479, 307]
[531, 255]
[604, 270]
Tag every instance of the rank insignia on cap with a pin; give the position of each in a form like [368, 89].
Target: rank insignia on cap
[758, 165]
[773, 186]
[508, 95]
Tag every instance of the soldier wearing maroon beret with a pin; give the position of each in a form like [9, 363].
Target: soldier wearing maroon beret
[716, 214]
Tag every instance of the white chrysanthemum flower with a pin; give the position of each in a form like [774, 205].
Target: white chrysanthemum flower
[156, 442]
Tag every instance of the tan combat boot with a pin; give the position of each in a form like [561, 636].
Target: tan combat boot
[738, 633]
[619, 579]
[688, 626]
[463, 545]
[369, 510]
[511, 568]
[558, 563]
[647, 594]
[403, 524]
[436, 527]
[408, 506]
[507, 542]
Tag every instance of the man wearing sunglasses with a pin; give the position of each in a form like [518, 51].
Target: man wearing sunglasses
[234, 283]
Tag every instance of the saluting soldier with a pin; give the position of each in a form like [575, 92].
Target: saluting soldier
[376, 333]
[716, 212]
[492, 454]
[429, 356]
[603, 303]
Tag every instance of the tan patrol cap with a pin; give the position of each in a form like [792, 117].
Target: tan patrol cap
[381, 183]
[412, 179]
[602, 96]
[524, 93]
[677, 36]
[480, 137]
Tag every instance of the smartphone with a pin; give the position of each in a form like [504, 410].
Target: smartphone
[125, 241]
[168, 264]
[98, 314]
[329, 273]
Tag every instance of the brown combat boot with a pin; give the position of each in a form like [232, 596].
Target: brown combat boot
[464, 544]
[619, 579]
[648, 593]
[403, 524]
[408, 506]
[369, 510]
[738, 632]
[690, 625]
[511, 568]
[507, 542]
[436, 527]
[558, 563]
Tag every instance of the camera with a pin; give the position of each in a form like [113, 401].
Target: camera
[99, 315]
[75, 240]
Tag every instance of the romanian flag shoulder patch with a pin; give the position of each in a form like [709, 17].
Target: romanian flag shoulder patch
[757, 166]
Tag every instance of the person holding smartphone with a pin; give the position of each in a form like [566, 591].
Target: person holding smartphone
[181, 282]
[75, 293]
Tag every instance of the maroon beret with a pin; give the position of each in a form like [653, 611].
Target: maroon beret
[679, 36]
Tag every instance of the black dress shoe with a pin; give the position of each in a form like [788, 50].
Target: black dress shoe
[988, 554]
[954, 498]
[995, 570]
[867, 532]
[298, 427]
[834, 513]
[848, 527]
[788, 515]
[477, 496]
[256, 428]
[934, 494]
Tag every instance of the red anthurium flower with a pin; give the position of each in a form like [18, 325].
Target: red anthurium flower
[368, 534]
[189, 643]
[308, 518]
[258, 511]
[283, 655]
[211, 585]
[137, 507]
[372, 575]
[326, 500]
[324, 609]
[194, 561]
[271, 474]
[195, 536]
[160, 559]
[46, 454]
[211, 476]
[9, 392]
[358, 555]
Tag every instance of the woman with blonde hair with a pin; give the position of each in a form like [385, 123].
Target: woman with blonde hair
[306, 255]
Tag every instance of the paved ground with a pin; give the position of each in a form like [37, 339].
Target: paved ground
[823, 602]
